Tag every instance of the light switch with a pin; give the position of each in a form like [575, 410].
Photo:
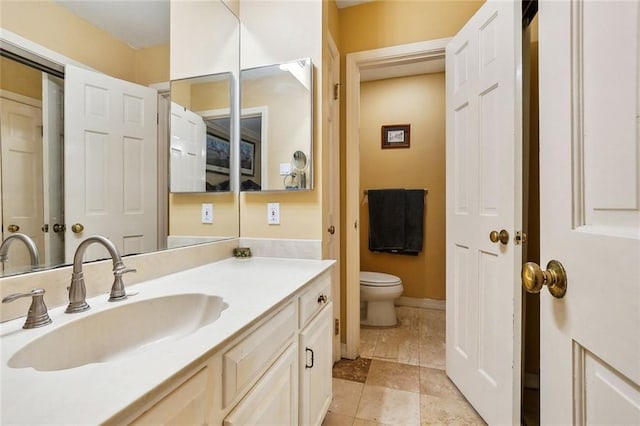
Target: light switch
[207, 213]
[273, 213]
[285, 169]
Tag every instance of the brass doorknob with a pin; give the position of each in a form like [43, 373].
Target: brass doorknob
[13, 228]
[555, 277]
[77, 228]
[502, 236]
[331, 230]
[59, 228]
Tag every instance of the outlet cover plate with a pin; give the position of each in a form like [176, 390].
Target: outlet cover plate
[273, 213]
[207, 213]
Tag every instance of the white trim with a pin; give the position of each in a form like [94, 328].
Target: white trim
[416, 302]
[12, 96]
[164, 86]
[263, 112]
[386, 56]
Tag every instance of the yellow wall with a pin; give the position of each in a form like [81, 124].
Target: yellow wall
[420, 102]
[20, 79]
[184, 215]
[54, 27]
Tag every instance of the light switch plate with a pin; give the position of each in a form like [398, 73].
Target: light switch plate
[285, 169]
[207, 213]
[273, 213]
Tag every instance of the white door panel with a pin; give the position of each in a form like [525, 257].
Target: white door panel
[484, 180]
[110, 162]
[590, 210]
[188, 150]
[21, 179]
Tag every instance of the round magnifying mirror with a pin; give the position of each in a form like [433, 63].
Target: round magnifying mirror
[299, 160]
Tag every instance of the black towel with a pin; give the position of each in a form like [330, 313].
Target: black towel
[386, 219]
[414, 221]
[396, 220]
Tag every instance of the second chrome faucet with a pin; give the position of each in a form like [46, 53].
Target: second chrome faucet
[78, 291]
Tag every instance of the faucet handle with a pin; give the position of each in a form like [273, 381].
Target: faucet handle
[117, 289]
[37, 315]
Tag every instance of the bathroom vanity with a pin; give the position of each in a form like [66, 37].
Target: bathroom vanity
[266, 359]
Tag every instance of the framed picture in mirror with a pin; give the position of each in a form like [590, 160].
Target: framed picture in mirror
[396, 136]
[247, 158]
[218, 158]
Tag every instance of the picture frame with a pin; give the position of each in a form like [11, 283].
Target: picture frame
[218, 154]
[396, 136]
[247, 158]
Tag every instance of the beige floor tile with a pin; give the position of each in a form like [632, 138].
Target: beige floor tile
[368, 340]
[394, 375]
[432, 323]
[432, 352]
[435, 382]
[389, 406]
[408, 317]
[346, 397]
[434, 410]
[362, 422]
[395, 344]
[333, 419]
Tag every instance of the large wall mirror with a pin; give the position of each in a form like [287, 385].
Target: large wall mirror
[276, 127]
[58, 195]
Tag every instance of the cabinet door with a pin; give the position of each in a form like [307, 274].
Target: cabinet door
[272, 401]
[316, 361]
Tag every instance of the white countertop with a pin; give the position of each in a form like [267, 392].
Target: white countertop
[93, 393]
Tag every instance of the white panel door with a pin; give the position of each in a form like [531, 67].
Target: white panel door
[188, 150]
[332, 237]
[110, 159]
[21, 179]
[590, 211]
[53, 168]
[484, 184]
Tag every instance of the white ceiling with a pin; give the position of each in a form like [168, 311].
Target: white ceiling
[139, 23]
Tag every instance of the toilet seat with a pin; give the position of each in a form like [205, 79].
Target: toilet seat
[378, 279]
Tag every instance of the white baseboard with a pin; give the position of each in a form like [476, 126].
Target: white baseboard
[415, 302]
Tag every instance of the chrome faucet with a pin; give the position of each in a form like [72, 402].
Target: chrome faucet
[31, 246]
[78, 291]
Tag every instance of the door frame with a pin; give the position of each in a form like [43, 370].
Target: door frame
[355, 62]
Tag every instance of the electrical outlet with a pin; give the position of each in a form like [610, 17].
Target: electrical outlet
[207, 213]
[273, 213]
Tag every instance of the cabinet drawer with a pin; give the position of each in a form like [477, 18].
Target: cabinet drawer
[315, 298]
[245, 362]
[186, 405]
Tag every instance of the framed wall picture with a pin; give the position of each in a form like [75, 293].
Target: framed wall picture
[396, 136]
[247, 158]
[217, 154]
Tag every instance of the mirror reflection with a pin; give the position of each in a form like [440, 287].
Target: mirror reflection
[201, 147]
[38, 167]
[276, 127]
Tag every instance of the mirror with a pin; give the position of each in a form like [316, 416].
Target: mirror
[201, 144]
[28, 25]
[276, 127]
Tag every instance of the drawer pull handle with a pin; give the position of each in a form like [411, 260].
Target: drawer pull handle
[307, 365]
[322, 299]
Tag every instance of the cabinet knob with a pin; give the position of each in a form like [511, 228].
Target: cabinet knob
[322, 299]
[312, 361]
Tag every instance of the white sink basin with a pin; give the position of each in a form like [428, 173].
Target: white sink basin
[119, 332]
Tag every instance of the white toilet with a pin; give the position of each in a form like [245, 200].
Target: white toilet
[378, 292]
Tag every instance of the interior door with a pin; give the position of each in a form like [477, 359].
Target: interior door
[333, 211]
[188, 150]
[52, 168]
[484, 194]
[110, 162]
[590, 211]
[21, 179]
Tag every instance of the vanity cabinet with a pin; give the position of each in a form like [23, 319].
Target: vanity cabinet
[277, 372]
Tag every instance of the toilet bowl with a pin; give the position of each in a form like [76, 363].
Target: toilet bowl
[378, 292]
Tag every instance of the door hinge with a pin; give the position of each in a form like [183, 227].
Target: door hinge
[336, 326]
[521, 237]
[336, 91]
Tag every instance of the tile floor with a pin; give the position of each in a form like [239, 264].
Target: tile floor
[404, 382]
